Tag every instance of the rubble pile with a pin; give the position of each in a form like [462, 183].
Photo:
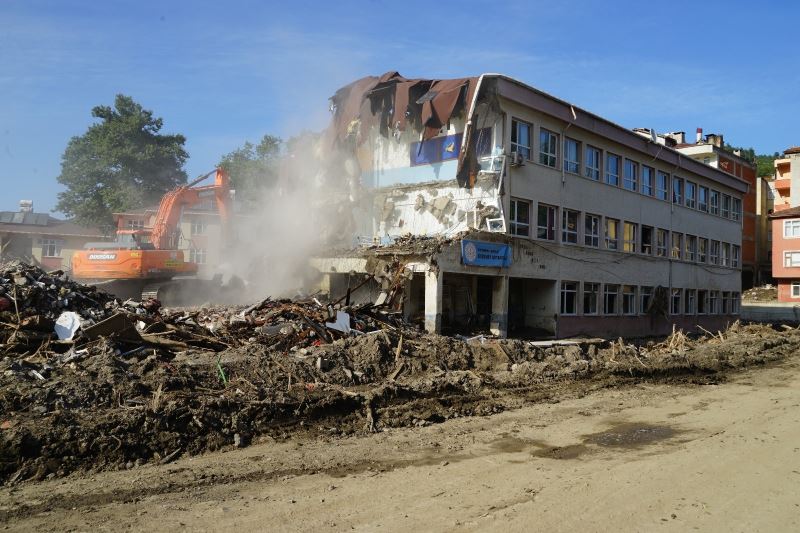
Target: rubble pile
[128, 383]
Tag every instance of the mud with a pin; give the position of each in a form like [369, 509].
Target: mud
[631, 435]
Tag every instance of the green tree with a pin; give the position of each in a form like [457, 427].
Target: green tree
[121, 162]
[253, 168]
[764, 162]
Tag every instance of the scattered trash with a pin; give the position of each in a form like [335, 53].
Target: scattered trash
[67, 325]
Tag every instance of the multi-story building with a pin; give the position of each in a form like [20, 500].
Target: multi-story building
[548, 219]
[785, 220]
[40, 239]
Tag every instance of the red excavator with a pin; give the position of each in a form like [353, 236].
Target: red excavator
[146, 262]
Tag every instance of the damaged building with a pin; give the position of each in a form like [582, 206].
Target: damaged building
[502, 208]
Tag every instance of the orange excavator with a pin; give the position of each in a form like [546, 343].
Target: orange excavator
[146, 263]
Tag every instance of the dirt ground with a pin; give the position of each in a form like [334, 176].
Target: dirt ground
[669, 455]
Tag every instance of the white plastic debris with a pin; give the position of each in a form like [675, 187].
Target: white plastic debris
[342, 322]
[67, 324]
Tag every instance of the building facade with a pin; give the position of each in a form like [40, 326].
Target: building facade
[40, 239]
[786, 253]
[551, 221]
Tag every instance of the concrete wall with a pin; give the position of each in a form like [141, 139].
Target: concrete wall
[775, 313]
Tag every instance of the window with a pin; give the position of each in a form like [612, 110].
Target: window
[736, 302]
[702, 250]
[197, 255]
[725, 212]
[520, 217]
[647, 240]
[645, 297]
[569, 298]
[631, 179]
[725, 254]
[790, 259]
[612, 234]
[591, 230]
[713, 254]
[629, 237]
[612, 169]
[521, 138]
[713, 302]
[713, 202]
[690, 193]
[691, 248]
[702, 199]
[675, 302]
[735, 254]
[199, 226]
[569, 226]
[610, 297]
[592, 163]
[661, 242]
[591, 296]
[702, 302]
[795, 290]
[51, 248]
[690, 302]
[662, 186]
[572, 156]
[648, 181]
[791, 229]
[135, 223]
[548, 147]
[736, 209]
[726, 303]
[677, 190]
[546, 222]
[676, 245]
[628, 300]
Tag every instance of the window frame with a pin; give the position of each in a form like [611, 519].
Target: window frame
[725, 207]
[198, 256]
[662, 249]
[794, 225]
[794, 289]
[629, 298]
[677, 190]
[690, 200]
[551, 229]
[515, 146]
[630, 245]
[690, 248]
[676, 252]
[565, 233]
[51, 247]
[549, 138]
[713, 202]
[702, 198]
[608, 175]
[647, 248]
[675, 301]
[573, 167]
[713, 252]
[630, 175]
[690, 302]
[564, 292]
[702, 250]
[789, 258]
[607, 238]
[662, 194]
[609, 290]
[645, 297]
[597, 296]
[593, 173]
[593, 236]
[513, 223]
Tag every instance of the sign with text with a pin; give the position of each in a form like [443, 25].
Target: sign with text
[486, 254]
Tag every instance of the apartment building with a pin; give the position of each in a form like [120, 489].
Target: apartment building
[785, 225]
[548, 220]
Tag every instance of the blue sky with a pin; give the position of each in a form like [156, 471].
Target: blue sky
[222, 73]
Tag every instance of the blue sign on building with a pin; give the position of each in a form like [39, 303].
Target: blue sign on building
[486, 254]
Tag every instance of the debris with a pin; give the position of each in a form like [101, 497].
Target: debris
[67, 325]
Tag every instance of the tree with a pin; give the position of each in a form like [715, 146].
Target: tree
[120, 163]
[253, 168]
[764, 162]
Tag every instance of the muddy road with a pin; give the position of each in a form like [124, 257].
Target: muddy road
[671, 456]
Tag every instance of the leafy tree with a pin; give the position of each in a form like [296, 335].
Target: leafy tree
[253, 168]
[764, 162]
[120, 163]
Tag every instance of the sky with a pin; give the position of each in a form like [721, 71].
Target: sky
[223, 73]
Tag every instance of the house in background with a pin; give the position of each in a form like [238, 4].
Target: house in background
[785, 222]
[41, 239]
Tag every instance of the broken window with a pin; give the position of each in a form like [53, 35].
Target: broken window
[610, 299]
[713, 302]
[628, 300]
[702, 250]
[791, 228]
[435, 150]
[51, 247]
[791, 259]
[591, 297]
[569, 226]
[197, 255]
[631, 180]
[691, 248]
[661, 242]
[691, 191]
[690, 301]
[702, 302]
[675, 302]
[612, 169]
[591, 230]
[521, 138]
[736, 209]
[612, 234]
[629, 237]
[647, 240]
[735, 253]
[676, 245]
[677, 190]
[572, 155]
[713, 202]
[645, 297]
[702, 199]
[592, 163]
[713, 253]
[546, 222]
[548, 147]
[662, 186]
[648, 181]
[725, 212]
[520, 217]
[569, 297]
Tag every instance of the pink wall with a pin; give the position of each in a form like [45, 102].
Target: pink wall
[780, 245]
